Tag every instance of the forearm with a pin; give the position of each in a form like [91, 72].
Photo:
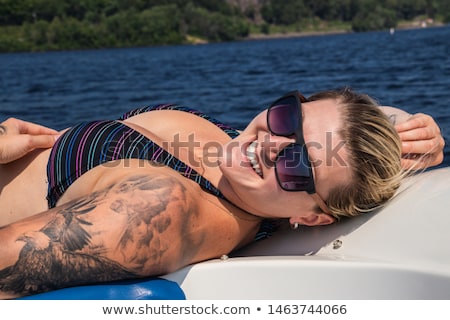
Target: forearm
[12, 239]
[124, 231]
[52, 250]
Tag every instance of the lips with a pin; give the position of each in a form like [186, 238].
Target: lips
[251, 156]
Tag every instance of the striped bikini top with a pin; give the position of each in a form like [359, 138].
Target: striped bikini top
[93, 143]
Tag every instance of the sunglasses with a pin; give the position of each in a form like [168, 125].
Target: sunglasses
[293, 168]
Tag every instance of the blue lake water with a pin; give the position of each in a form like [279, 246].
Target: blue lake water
[230, 81]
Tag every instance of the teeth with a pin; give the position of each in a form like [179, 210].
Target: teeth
[251, 155]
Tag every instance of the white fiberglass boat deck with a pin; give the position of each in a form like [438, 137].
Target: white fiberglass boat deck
[399, 252]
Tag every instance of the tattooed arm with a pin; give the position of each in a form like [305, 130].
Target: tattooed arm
[138, 226]
[18, 137]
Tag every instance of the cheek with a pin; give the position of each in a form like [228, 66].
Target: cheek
[257, 123]
[225, 157]
[231, 155]
[304, 205]
[287, 205]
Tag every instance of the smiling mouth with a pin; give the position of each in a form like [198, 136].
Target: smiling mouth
[251, 156]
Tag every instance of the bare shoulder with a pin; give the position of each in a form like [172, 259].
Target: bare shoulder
[163, 124]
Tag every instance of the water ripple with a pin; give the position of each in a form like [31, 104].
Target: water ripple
[231, 81]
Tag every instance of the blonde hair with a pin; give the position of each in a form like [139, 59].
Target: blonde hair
[374, 154]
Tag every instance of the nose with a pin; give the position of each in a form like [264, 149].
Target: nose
[272, 145]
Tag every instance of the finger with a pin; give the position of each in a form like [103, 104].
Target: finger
[23, 144]
[421, 133]
[408, 164]
[419, 120]
[421, 161]
[421, 146]
[41, 141]
[25, 127]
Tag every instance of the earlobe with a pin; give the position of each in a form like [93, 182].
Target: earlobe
[314, 219]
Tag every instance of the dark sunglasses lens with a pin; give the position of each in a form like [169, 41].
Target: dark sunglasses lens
[283, 118]
[294, 168]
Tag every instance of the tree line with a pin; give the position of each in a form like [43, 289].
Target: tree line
[33, 25]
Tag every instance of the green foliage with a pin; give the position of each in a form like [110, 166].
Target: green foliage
[374, 19]
[79, 24]
[32, 25]
[443, 10]
[285, 12]
[363, 15]
[214, 26]
[159, 25]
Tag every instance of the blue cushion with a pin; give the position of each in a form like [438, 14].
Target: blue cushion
[142, 289]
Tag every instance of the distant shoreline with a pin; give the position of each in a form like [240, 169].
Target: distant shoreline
[261, 36]
[281, 35]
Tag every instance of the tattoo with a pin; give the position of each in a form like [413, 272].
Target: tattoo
[74, 248]
[2, 129]
[393, 118]
[145, 220]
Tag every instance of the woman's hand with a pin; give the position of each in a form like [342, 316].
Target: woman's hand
[18, 138]
[422, 142]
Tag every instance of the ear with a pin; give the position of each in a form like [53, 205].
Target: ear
[313, 219]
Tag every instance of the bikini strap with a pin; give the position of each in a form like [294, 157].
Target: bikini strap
[232, 133]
